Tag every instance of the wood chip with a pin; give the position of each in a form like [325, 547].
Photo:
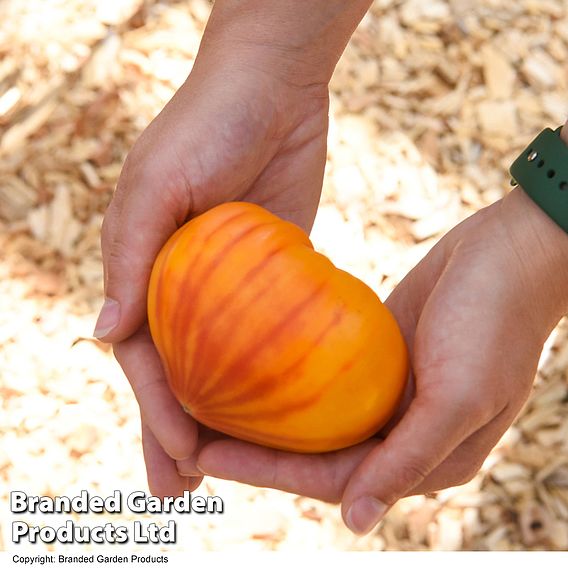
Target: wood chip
[498, 117]
[499, 73]
[16, 136]
[541, 70]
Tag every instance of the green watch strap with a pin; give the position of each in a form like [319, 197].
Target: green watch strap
[542, 171]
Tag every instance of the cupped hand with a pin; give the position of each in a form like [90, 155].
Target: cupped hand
[475, 313]
[236, 130]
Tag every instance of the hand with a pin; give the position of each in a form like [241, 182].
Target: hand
[475, 314]
[232, 132]
[250, 123]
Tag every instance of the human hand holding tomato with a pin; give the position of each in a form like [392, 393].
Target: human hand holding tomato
[249, 124]
[475, 313]
[231, 132]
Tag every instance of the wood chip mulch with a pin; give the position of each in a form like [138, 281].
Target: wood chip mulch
[430, 104]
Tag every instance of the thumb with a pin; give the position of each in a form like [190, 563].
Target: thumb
[430, 430]
[143, 214]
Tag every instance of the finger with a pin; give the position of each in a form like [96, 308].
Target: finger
[163, 477]
[466, 460]
[320, 476]
[425, 436]
[150, 203]
[174, 429]
[188, 466]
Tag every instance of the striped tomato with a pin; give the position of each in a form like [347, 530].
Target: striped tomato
[265, 339]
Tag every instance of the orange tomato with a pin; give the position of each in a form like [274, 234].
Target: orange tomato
[264, 339]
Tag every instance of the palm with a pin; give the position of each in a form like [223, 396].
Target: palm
[457, 317]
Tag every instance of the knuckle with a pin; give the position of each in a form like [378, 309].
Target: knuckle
[465, 399]
[466, 474]
[412, 472]
[460, 474]
[125, 250]
[118, 251]
[473, 406]
[464, 471]
[140, 167]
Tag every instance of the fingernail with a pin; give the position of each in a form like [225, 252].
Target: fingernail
[108, 318]
[364, 514]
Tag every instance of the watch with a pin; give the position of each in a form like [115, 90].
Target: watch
[542, 172]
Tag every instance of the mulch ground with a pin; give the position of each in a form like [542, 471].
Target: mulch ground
[430, 104]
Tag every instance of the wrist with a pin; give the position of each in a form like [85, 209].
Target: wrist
[545, 242]
[542, 249]
[298, 41]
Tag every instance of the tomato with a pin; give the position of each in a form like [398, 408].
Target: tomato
[264, 339]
